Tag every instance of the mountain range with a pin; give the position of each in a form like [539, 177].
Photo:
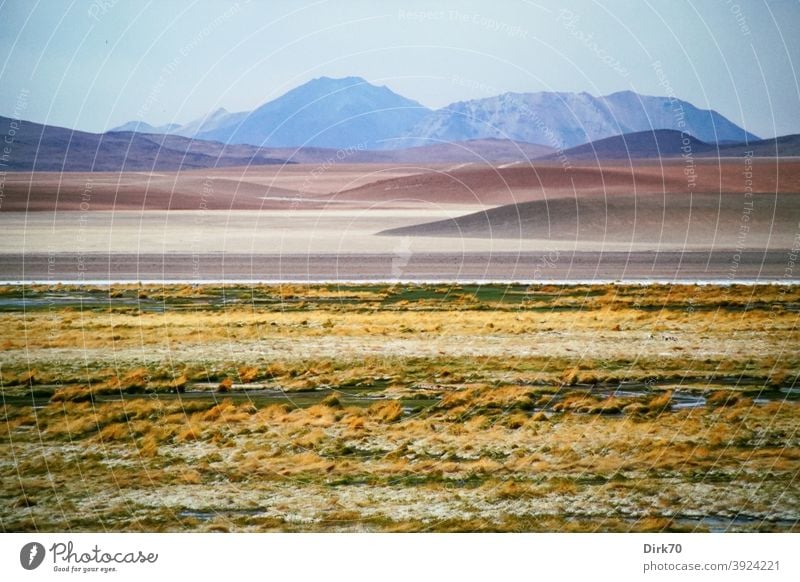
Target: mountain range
[351, 120]
[47, 148]
[353, 113]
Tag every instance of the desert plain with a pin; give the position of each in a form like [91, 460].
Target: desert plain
[723, 220]
[517, 347]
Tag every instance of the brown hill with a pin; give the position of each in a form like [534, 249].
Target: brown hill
[707, 220]
[47, 148]
[668, 143]
[541, 180]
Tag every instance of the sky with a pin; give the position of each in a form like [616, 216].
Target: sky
[93, 65]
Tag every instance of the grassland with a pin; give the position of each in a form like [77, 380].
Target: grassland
[400, 408]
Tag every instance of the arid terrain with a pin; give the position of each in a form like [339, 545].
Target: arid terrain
[163, 369]
[733, 219]
[400, 408]
[336, 182]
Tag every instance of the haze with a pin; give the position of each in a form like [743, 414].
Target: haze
[94, 65]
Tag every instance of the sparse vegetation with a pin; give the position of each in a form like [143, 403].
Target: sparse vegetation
[315, 408]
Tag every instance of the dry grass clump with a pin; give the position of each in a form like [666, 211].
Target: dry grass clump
[148, 447]
[249, 374]
[189, 433]
[272, 414]
[227, 412]
[722, 398]
[311, 440]
[573, 376]
[588, 404]
[331, 401]
[636, 408]
[480, 396]
[28, 377]
[660, 403]
[387, 411]
[512, 490]
[516, 420]
[136, 380]
[72, 394]
[317, 415]
[782, 377]
[179, 383]
[190, 477]
[570, 376]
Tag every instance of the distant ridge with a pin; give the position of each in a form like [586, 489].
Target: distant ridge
[39, 147]
[565, 120]
[783, 146]
[641, 144]
[46, 148]
[666, 143]
[350, 112]
[144, 127]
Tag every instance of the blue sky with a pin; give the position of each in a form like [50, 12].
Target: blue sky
[96, 64]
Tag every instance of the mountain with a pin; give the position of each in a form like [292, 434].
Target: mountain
[564, 120]
[325, 112]
[352, 113]
[56, 149]
[668, 143]
[144, 127]
[642, 144]
[207, 123]
[48, 148]
[642, 113]
[211, 122]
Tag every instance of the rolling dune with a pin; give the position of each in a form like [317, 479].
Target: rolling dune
[709, 221]
[364, 185]
[507, 184]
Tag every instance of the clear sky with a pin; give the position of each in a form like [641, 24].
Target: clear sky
[96, 64]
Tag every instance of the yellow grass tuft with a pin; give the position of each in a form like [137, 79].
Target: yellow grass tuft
[722, 398]
[191, 477]
[149, 447]
[660, 403]
[188, 434]
[248, 374]
[388, 411]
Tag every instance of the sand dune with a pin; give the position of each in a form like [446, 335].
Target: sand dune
[243, 188]
[362, 185]
[526, 182]
[715, 221]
